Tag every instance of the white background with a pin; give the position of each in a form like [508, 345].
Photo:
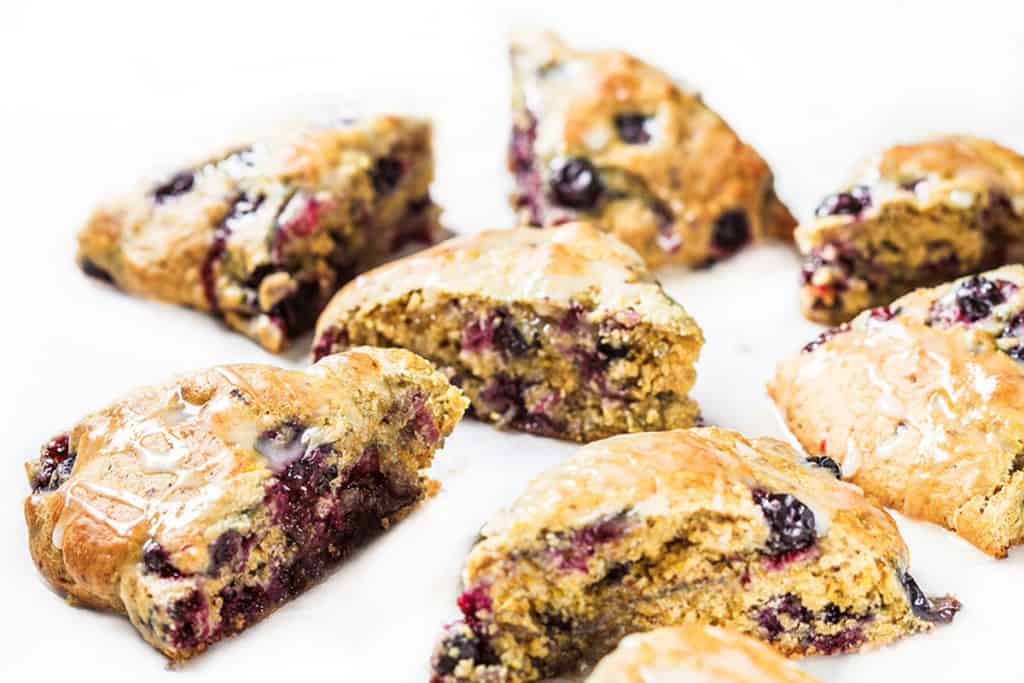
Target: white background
[92, 95]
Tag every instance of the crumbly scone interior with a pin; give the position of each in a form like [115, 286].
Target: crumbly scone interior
[537, 606]
[572, 372]
[238, 545]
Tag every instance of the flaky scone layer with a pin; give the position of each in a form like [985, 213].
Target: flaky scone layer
[916, 215]
[263, 233]
[694, 652]
[659, 529]
[561, 332]
[604, 136]
[921, 402]
[198, 505]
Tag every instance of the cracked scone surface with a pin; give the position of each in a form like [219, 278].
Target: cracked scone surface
[917, 215]
[559, 332]
[703, 654]
[262, 234]
[198, 506]
[703, 525]
[603, 136]
[922, 404]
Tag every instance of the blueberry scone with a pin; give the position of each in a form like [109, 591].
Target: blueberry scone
[263, 234]
[918, 215]
[604, 136]
[703, 654]
[921, 403]
[198, 506]
[561, 332]
[660, 529]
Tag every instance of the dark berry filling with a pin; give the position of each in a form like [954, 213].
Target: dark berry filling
[229, 550]
[56, 460]
[157, 561]
[190, 620]
[329, 341]
[581, 544]
[242, 206]
[786, 614]
[297, 312]
[632, 128]
[825, 336]
[790, 522]
[828, 463]
[971, 301]
[178, 184]
[850, 203]
[938, 610]
[387, 172]
[473, 601]
[731, 231]
[1014, 332]
[521, 162]
[575, 183]
[94, 271]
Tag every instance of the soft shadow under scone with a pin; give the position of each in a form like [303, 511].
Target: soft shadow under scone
[699, 654]
[921, 402]
[647, 530]
[198, 506]
[604, 136]
[918, 215]
[559, 332]
[263, 234]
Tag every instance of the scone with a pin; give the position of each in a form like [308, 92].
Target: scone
[702, 654]
[660, 529]
[922, 404]
[604, 136]
[263, 234]
[918, 215]
[560, 332]
[198, 506]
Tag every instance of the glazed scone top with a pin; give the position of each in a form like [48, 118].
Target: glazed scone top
[950, 397]
[155, 247]
[960, 171]
[679, 471]
[572, 263]
[695, 654]
[179, 461]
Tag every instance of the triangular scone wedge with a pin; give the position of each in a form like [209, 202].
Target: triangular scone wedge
[694, 652]
[606, 137]
[916, 216]
[198, 506]
[647, 530]
[921, 403]
[558, 332]
[263, 234]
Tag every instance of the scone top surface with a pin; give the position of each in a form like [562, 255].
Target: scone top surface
[571, 263]
[958, 171]
[695, 654]
[675, 181]
[173, 461]
[922, 402]
[678, 472]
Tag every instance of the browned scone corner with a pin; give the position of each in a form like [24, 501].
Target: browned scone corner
[921, 403]
[917, 215]
[561, 332]
[198, 506]
[695, 653]
[262, 234]
[604, 136]
[660, 529]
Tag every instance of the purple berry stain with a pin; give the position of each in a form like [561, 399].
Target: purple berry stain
[791, 524]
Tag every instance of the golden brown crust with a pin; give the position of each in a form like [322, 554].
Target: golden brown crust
[665, 196]
[174, 463]
[693, 652]
[922, 412]
[259, 231]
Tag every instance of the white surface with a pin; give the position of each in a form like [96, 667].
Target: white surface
[92, 94]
